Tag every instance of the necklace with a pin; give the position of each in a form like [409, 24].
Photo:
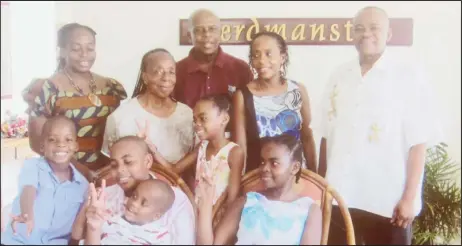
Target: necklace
[94, 99]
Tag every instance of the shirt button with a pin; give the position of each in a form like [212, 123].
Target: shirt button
[208, 87]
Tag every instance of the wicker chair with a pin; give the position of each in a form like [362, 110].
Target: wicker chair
[159, 172]
[311, 185]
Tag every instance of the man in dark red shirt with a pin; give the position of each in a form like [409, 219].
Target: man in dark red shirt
[208, 70]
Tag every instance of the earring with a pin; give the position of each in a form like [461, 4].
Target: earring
[255, 74]
[282, 72]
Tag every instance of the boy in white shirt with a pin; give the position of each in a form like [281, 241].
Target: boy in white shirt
[140, 223]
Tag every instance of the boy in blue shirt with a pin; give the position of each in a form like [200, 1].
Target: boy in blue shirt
[51, 190]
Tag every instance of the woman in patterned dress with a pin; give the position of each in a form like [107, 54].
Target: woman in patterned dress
[74, 91]
[271, 104]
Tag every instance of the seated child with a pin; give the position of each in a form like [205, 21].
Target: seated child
[275, 215]
[51, 190]
[140, 223]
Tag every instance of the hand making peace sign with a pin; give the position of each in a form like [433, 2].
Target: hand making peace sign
[96, 212]
[143, 133]
[23, 218]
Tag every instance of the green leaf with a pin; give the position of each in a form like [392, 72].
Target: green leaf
[440, 215]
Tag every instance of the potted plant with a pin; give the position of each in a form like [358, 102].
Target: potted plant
[439, 220]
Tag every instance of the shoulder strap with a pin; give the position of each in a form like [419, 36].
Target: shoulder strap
[253, 138]
[227, 148]
[252, 128]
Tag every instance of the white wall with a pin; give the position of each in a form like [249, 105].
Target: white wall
[31, 34]
[128, 29]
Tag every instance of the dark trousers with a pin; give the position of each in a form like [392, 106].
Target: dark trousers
[370, 229]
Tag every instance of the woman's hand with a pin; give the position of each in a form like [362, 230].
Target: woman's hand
[96, 211]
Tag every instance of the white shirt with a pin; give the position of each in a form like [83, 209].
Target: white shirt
[370, 123]
[117, 231]
[173, 136]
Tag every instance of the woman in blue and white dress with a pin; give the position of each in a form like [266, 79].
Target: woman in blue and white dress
[275, 215]
[271, 104]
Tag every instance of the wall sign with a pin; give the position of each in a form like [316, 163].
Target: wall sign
[301, 31]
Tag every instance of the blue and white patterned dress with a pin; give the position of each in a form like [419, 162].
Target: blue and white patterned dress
[267, 222]
[279, 114]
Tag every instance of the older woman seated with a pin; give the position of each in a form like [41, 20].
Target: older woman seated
[131, 162]
[277, 215]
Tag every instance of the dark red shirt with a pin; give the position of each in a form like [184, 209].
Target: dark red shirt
[193, 82]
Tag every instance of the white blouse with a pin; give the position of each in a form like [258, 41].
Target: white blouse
[173, 136]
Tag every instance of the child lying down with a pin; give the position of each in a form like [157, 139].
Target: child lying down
[140, 224]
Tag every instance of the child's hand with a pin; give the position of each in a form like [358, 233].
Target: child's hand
[143, 133]
[206, 190]
[23, 218]
[96, 211]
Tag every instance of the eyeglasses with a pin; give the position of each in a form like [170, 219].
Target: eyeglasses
[201, 30]
[161, 73]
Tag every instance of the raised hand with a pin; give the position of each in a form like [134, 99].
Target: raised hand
[96, 206]
[143, 133]
[206, 188]
[23, 218]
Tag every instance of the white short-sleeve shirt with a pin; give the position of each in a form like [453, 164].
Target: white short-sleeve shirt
[173, 136]
[370, 123]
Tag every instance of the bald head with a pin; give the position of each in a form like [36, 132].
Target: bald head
[134, 141]
[372, 12]
[159, 192]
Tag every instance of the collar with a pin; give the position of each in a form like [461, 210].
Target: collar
[43, 165]
[382, 64]
[194, 65]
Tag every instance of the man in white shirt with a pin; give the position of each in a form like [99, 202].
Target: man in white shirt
[376, 126]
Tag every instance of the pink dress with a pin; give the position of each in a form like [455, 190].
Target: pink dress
[220, 171]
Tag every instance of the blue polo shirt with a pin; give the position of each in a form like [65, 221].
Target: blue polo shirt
[55, 207]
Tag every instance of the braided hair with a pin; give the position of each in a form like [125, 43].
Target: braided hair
[64, 35]
[221, 101]
[283, 47]
[294, 146]
[140, 87]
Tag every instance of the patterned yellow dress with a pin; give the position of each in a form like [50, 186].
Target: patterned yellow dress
[90, 120]
[218, 169]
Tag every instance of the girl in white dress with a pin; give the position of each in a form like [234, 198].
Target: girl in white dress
[276, 215]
